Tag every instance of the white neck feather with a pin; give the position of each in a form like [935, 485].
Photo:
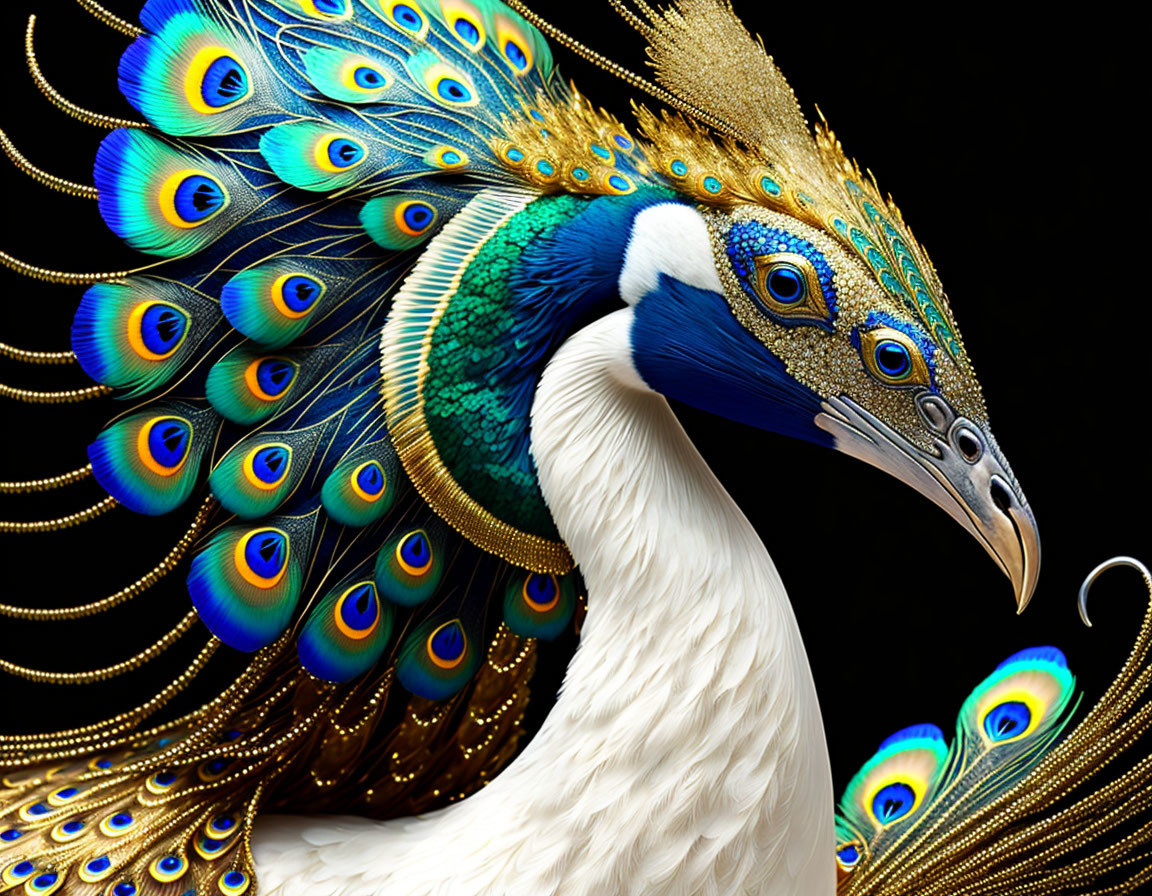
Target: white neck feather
[685, 753]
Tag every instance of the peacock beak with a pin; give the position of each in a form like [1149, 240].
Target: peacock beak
[965, 474]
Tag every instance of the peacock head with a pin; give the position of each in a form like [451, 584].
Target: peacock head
[780, 288]
[837, 334]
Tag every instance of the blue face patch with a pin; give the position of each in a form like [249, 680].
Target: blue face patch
[795, 290]
[688, 346]
[891, 357]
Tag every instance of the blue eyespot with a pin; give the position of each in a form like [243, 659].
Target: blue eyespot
[679, 167]
[268, 464]
[124, 889]
[96, 866]
[848, 855]
[274, 376]
[42, 882]
[545, 167]
[605, 154]
[451, 157]
[406, 17]
[769, 186]
[540, 590]
[1006, 721]
[515, 55]
[368, 78]
[371, 479]
[416, 551]
[266, 553]
[168, 442]
[453, 91]
[893, 802]
[331, 7]
[300, 293]
[892, 359]
[580, 174]
[221, 826]
[514, 155]
[207, 846]
[117, 825]
[37, 809]
[162, 327]
[225, 82]
[72, 827]
[448, 643]
[11, 834]
[418, 216]
[359, 608]
[623, 142]
[233, 883]
[785, 284]
[344, 153]
[468, 32]
[197, 198]
[713, 185]
[214, 769]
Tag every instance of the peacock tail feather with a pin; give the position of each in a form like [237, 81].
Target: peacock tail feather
[1017, 804]
[293, 160]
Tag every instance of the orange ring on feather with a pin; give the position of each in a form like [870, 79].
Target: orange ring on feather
[242, 566]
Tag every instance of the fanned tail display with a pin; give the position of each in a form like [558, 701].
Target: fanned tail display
[297, 155]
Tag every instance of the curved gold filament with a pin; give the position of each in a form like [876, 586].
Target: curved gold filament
[67, 396]
[63, 277]
[625, 75]
[29, 357]
[49, 180]
[47, 484]
[97, 675]
[110, 19]
[142, 584]
[61, 102]
[17, 750]
[64, 522]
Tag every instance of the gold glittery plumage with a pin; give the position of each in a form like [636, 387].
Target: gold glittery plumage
[738, 136]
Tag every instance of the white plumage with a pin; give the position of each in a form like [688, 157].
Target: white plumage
[685, 754]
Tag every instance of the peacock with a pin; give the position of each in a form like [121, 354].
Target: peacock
[400, 353]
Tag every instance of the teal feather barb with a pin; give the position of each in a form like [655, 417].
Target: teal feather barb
[298, 155]
[373, 549]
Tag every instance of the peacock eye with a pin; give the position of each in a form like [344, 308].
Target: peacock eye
[788, 287]
[893, 358]
[785, 284]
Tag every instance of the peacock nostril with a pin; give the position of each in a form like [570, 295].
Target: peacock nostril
[969, 445]
[1001, 496]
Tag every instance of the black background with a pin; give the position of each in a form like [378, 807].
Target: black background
[1010, 145]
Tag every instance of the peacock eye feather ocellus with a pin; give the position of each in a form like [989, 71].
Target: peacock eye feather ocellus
[398, 347]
